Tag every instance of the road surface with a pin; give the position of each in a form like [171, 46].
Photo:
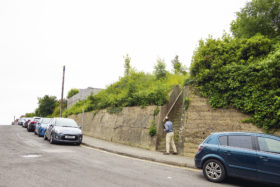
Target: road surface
[27, 160]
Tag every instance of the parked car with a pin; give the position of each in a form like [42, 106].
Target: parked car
[21, 121]
[31, 124]
[41, 126]
[63, 130]
[25, 123]
[246, 155]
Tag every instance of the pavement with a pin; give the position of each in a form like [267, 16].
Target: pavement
[139, 153]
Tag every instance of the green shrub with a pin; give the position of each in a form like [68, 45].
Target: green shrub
[187, 103]
[153, 129]
[46, 106]
[160, 71]
[72, 92]
[243, 73]
[247, 120]
[156, 111]
[135, 89]
[29, 115]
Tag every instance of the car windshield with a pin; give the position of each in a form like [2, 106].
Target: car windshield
[36, 119]
[46, 120]
[64, 122]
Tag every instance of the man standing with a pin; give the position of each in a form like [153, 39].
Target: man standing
[168, 128]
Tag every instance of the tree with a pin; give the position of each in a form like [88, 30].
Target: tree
[177, 66]
[46, 106]
[160, 71]
[258, 16]
[72, 92]
[127, 66]
[29, 115]
[56, 111]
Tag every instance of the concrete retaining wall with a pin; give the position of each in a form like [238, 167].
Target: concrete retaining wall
[130, 126]
[202, 120]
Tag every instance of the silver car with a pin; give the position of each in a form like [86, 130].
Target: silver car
[63, 130]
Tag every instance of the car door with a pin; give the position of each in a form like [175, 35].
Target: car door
[240, 156]
[268, 159]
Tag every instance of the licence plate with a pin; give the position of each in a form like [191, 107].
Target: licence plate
[70, 137]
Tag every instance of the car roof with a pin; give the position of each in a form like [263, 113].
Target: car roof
[245, 133]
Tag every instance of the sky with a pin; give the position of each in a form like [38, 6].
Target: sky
[91, 38]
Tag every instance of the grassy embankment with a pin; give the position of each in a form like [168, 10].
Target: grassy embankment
[135, 89]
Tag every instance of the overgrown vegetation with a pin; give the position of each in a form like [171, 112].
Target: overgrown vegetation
[258, 16]
[156, 111]
[72, 92]
[135, 89]
[187, 103]
[178, 68]
[242, 71]
[152, 129]
[160, 71]
[46, 106]
[29, 115]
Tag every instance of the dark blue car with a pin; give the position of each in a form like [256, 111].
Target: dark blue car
[238, 154]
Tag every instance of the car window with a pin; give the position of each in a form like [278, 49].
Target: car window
[211, 140]
[269, 145]
[46, 120]
[65, 122]
[223, 140]
[206, 139]
[240, 141]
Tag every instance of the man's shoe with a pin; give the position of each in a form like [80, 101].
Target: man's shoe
[166, 153]
[175, 153]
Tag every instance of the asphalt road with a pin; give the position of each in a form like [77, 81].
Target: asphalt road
[27, 160]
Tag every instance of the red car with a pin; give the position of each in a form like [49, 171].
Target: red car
[32, 123]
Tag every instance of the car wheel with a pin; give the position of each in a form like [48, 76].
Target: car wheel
[35, 132]
[51, 139]
[45, 137]
[214, 171]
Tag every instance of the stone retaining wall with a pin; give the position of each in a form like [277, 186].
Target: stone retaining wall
[130, 126]
[202, 120]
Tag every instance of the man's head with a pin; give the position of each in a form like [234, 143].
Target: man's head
[166, 118]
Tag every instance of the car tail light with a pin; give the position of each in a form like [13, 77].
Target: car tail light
[200, 147]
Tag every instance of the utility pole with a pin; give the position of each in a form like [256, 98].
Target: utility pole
[61, 100]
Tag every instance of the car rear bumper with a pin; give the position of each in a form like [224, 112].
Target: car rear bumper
[198, 163]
